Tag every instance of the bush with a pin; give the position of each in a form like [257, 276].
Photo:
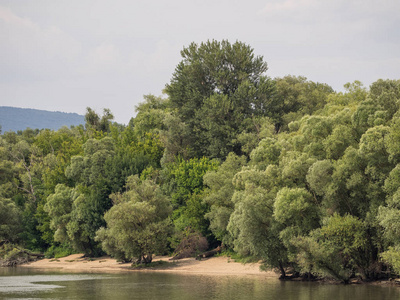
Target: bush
[58, 251]
[12, 255]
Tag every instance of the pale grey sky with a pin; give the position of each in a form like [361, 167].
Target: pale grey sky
[65, 55]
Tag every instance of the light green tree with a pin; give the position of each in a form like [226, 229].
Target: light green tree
[389, 218]
[338, 249]
[138, 224]
[298, 97]
[72, 217]
[295, 209]
[219, 196]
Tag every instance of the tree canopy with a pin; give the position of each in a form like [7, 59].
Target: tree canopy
[217, 90]
[284, 170]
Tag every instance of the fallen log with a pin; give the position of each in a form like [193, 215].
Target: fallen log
[209, 253]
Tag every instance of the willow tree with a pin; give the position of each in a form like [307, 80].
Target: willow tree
[138, 224]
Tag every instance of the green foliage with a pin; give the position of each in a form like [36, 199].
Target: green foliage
[58, 148]
[295, 207]
[392, 257]
[219, 196]
[298, 214]
[392, 141]
[138, 223]
[319, 176]
[183, 181]
[185, 178]
[337, 249]
[215, 91]
[150, 116]
[68, 209]
[389, 218]
[285, 170]
[257, 129]
[75, 216]
[59, 207]
[10, 221]
[132, 157]
[318, 259]
[192, 215]
[58, 251]
[266, 153]
[96, 124]
[298, 97]
[295, 166]
[252, 226]
[372, 148]
[338, 141]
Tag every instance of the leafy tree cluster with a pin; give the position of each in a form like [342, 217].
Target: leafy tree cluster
[320, 197]
[285, 170]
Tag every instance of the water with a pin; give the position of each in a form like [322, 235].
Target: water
[28, 284]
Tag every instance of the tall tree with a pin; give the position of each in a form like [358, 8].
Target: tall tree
[216, 90]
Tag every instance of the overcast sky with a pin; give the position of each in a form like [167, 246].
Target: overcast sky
[67, 55]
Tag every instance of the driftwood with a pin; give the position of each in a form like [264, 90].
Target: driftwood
[209, 253]
[191, 243]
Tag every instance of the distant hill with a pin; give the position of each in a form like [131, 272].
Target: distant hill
[14, 118]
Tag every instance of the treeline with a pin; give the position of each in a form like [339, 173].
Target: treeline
[285, 170]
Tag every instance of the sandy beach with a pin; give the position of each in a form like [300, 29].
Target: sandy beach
[210, 266]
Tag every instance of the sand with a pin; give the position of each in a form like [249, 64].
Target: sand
[211, 266]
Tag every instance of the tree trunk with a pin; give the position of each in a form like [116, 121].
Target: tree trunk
[283, 272]
[145, 259]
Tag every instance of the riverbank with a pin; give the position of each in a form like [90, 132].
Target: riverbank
[211, 266]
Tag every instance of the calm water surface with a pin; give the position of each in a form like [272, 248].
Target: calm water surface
[28, 284]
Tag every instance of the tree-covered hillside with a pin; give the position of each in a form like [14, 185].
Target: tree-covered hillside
[285, 170]
[14, 119]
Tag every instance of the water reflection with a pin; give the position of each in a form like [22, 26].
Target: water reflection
[147, 285]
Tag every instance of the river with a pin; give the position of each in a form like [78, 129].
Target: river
[21, 284]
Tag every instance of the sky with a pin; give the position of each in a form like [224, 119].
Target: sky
[67, 55]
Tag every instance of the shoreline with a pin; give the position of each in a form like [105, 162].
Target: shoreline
[220, 265]
[213, 266]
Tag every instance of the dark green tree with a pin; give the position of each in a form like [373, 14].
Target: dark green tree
[216, 90]
[96, 123]
[10, 221]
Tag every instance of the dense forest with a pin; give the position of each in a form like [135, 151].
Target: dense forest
[284, 170]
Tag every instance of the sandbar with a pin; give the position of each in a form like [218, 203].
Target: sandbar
[220, 265]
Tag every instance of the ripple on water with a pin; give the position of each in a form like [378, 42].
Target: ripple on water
[34, 283]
